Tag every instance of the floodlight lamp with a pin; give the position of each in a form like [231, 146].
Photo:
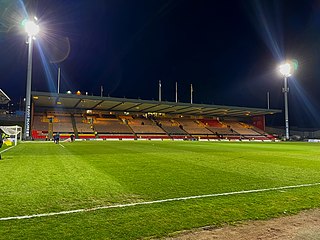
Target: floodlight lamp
[31, 28]
[285, 69]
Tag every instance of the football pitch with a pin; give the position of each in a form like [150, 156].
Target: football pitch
[146, 189]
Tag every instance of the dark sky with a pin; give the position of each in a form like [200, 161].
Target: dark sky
[228, 50]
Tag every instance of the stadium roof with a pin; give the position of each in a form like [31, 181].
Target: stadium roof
[4, 99]
[122, 105]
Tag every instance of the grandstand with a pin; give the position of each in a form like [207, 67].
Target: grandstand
[90, 117]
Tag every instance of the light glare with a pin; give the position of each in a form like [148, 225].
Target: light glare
[31, 28]
[285, 69]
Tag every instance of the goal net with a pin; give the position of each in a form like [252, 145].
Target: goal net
[14, 133]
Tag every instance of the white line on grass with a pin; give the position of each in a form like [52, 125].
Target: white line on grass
[156, 201]
[62, 145]
[6, 149]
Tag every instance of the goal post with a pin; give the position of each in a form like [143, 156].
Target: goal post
[14, 133]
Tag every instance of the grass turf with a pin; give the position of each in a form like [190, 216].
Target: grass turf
[45, 177]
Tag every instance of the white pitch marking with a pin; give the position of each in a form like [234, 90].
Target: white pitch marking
[156, 201]
[62, 145]
[6, 149]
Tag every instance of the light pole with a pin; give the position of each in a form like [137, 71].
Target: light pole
[32, 30]
[286, 71]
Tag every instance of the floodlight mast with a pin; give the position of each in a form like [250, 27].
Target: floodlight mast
[32, 29]
[286, 71]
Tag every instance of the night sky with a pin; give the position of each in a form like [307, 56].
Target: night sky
[228, 50]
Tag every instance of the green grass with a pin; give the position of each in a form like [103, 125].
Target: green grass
[45, 177]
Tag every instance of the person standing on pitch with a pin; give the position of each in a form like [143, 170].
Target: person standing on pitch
[57, 138]
[1, 143]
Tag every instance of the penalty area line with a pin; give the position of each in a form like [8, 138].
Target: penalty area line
[157, 201]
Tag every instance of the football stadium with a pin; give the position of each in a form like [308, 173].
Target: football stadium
[148, 169]
[79, 165]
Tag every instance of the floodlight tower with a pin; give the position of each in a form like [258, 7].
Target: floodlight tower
[32, 29]
[286, 71]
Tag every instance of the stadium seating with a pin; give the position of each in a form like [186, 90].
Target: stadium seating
[141, 127]
[258, 130]
[194, 127]
[82, 125]
[242, 129]
[247, 131]
[62, 124]
[145, 128]
[211, 123]
[40, 123]
[221, 131]
[112, 128]
[171, 127]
